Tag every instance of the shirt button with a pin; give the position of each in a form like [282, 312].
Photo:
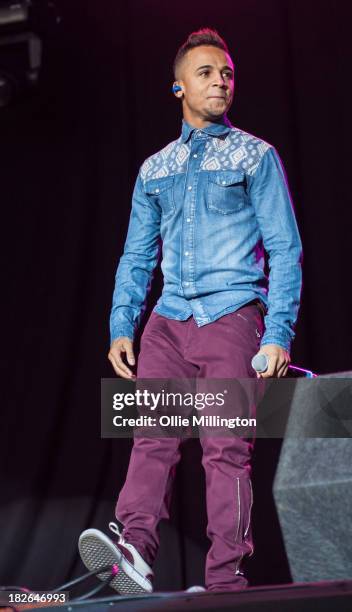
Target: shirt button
[189, 188]
[195, 155]
[186, 253]
[224, 182]
[188, 220]
[157, 190]
[186, 283]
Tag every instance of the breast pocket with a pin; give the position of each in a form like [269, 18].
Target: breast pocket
[226, 191]
[161, 190]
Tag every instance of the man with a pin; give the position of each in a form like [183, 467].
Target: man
[216, 198]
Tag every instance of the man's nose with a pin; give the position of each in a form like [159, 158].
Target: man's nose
[219, 80]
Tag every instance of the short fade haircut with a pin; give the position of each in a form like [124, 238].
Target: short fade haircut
[205, 36]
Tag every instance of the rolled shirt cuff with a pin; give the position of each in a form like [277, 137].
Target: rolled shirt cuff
[283, 340]
[118, 332]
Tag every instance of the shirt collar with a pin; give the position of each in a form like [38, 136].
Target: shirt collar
[214, 129]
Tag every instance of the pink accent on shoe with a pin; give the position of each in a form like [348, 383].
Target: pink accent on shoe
[114, 569]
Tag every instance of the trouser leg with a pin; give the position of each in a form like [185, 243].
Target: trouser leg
[145, 497]
[224, 349]
[226, 462]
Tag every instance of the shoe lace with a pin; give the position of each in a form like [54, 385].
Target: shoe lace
[115, 529]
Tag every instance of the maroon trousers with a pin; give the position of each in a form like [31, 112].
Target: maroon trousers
[180, 349]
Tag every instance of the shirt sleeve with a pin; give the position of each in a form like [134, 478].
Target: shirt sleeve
[135, 269]
[273, 206]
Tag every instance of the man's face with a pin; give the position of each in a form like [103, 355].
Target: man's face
[207, 78]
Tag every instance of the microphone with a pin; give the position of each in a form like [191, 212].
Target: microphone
[260, 364]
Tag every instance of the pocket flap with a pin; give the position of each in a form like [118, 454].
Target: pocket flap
[158, 185]
[224, 178]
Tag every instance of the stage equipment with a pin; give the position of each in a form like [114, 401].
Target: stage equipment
[312, 486]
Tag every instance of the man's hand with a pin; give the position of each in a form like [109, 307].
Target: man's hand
[119, 346]
[279, 360]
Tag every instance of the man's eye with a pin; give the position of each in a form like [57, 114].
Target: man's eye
[204, 72]
[228, 75]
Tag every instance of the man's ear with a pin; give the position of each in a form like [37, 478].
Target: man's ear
[177, 89]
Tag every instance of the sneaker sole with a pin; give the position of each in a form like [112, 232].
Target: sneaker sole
[97, 550]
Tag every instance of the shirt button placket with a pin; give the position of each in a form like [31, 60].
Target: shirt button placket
[190, 203]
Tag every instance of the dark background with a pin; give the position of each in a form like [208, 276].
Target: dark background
[69, 159]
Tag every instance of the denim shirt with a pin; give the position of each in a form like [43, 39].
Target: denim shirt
[211, 202]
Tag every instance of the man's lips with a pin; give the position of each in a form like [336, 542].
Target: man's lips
[218, 97]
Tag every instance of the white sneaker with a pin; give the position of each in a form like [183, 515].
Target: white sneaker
[195, 589]
[97, 550]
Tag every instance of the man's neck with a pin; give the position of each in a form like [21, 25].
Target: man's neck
[199, 122]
